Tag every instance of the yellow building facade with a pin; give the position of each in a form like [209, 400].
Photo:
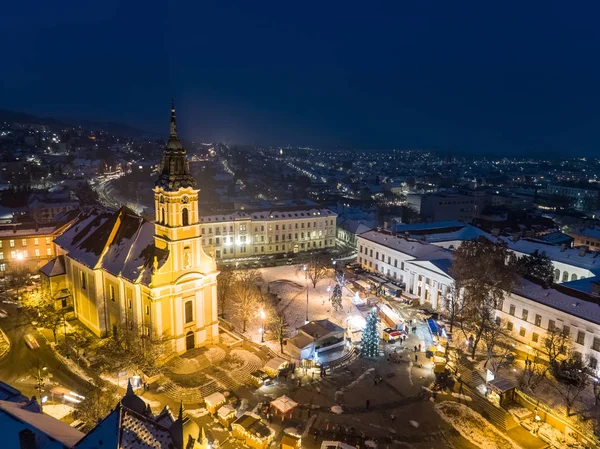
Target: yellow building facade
[123, 270]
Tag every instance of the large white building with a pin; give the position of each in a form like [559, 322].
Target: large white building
[530, 310]
[258, 233]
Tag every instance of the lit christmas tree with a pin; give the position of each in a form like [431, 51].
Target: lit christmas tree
[370, 336]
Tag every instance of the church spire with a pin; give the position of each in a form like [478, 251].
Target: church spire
[173, 120]
[175, 172]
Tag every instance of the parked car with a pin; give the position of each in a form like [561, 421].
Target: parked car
[31, 342]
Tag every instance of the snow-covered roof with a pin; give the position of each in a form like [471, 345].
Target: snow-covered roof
[403, 227]
[119, 242]
[587, 232]
[588, 310]
[415, 248]
[268, 215]
[215, 398]
[39, 422]
[225, 410]
[284, 404]
[55, 267]
[568, 256]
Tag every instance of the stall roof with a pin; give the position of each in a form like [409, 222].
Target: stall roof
[225, 410]
[501, 385]
[363, 284]
[275, 363]
[284, 404]
[215, 398]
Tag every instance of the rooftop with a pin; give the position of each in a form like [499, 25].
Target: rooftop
[410, 247]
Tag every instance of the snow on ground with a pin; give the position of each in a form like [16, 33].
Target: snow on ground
[370, 443]
[358, 379]
[289, 283]
[464, 397]
[197, 412]
[58, 411]
[472, 426]
[337, 410]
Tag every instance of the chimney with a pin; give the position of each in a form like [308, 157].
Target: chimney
[27, 439]
[582, 251]
[563, 247]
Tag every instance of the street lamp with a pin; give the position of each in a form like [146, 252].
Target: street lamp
[40, 380]
[263, 315]
[306, 282]
[19, 258]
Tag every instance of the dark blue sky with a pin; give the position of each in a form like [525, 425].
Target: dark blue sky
[462, 76]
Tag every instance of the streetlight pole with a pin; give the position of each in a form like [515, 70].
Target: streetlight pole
[262, 315]
[40, 382]
[306, 282]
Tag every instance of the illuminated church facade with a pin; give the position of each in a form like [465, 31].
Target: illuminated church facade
[122, 270]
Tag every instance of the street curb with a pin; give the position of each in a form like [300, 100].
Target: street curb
[5, 338]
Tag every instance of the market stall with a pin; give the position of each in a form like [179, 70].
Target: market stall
[285, 406]
[259, 378]
[275, 366]
[290, 442]
[226, 415]
[253, 431]
[214, 401]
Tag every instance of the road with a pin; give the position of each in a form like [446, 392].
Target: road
[20, 366]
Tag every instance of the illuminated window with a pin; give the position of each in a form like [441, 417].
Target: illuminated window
[11, 243]
[189, 312]
[24, 242]
[48, 251]
[36, 241]
[37, 253]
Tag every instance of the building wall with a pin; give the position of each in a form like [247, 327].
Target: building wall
[580, 240]
[526, 329]
[26, 251]
[246, 238]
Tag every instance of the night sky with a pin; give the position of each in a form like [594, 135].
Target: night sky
[503, 77]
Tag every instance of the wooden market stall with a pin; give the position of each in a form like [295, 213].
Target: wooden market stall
[259, 378]
[290, 442]
[226, 415]
[253, 431]
[214, 402]
[285, 406]
[275, 366]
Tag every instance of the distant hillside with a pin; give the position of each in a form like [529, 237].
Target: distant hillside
[110, 127]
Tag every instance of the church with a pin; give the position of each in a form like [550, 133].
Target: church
[122, 270]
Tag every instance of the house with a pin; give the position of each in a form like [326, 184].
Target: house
[316, 337]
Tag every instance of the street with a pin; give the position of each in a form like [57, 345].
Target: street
[19, 367]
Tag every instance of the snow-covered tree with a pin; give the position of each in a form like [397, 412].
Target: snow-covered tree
[336, 297]
[370, 336]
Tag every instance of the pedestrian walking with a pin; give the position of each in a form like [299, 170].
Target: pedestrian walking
[415, 348]
[419, 347]
[416, 358]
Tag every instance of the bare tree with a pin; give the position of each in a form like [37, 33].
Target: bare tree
[499, 350]
[534, 373]
[42, 307]
[482, 274]
[98, 403]
[336, 297]
[279, 326]
[246, 295]
[130, 349]
[317, 268]
[571, 380]
[225, 282]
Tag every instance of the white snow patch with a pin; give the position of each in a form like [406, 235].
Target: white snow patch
[464, 397]
[358, 379]
[473, 427]
[58, 411]
[197, 412]
[337, 410]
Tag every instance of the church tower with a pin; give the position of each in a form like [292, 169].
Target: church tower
[184, 280]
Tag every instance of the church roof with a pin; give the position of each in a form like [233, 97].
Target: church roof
[56, 267]
[175, 170]
[119, 242]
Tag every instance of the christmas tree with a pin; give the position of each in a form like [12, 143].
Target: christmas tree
[336, 297]
[370, 336]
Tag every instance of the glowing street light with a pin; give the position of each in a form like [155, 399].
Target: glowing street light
[263, 315]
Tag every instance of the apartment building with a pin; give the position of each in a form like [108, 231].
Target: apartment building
[244, 234]
[28, 246]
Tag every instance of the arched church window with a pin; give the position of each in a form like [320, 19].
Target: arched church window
[162, 216]
[184, 217]
[161, 200]
[189, 311]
